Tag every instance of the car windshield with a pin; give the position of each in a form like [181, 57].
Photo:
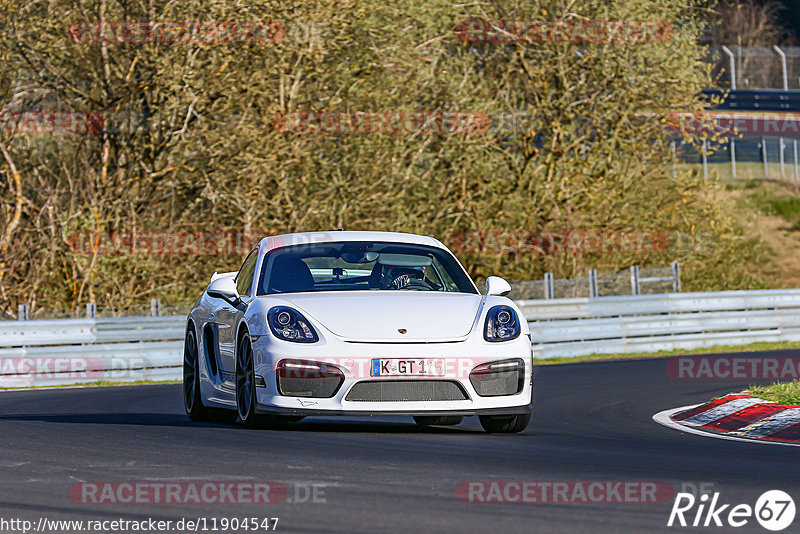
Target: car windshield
[357, 266]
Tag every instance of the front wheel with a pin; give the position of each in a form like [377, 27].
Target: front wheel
[432, 420]
[245, 383]
[505, 424]
[246, 392]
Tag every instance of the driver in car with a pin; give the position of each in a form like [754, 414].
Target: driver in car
[395, 277]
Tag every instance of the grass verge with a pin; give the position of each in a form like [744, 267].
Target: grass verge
[753, 347]
[780, 392]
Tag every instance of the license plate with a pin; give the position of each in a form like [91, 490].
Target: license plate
[407, 367]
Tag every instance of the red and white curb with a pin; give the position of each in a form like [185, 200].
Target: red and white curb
[738, 417]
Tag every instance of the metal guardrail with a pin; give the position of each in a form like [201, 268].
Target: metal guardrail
[69, 351]
[649, 323]
[755, 99]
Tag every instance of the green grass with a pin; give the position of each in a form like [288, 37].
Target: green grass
[745, 170]
[98, 383]
[780, 392]
[753, 347]
[782, 203]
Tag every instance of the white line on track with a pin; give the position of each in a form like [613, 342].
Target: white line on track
[663, 418]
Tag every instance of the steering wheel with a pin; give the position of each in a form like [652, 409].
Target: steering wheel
[405, 282]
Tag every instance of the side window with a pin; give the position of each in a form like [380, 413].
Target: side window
[244, 280]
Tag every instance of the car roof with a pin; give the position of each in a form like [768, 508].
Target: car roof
[272, 242]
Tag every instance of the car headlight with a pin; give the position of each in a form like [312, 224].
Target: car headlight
[288, 324]
[502, 324]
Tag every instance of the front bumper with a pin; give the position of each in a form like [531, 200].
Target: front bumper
[353, 359]
[306, 412]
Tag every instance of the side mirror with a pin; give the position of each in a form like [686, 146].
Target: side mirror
[497, 286]
[224, 288]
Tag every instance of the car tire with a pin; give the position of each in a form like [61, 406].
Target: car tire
[432, 420]
[505, 424]
[192, 399]
[246, 384]
[192, 402]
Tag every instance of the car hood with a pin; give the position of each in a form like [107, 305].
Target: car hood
[380, 316]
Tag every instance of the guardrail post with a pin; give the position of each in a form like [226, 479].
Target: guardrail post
[796, 177]
[780, 150]
[733, 158]
[764, 156]
[155, 308]
[676, 277]
[705, 160]
[22, 312]
[91, 310]
[674, 159]
[634, 279]
[592, 282]
[549, 293]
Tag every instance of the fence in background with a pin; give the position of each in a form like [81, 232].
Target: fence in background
[649, 323]
[90, 311]
[69, 351]
[756, 67]
[763, 79]
[636, 281]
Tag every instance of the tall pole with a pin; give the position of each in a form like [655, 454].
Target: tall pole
[784, 70]
[783, 67]
[732, 59]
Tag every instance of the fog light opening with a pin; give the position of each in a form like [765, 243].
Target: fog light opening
[298, 378]
[498, 378]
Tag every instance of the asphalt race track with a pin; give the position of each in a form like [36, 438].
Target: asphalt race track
[592, 421]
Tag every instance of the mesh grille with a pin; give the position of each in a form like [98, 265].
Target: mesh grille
[496, 384]
[406, 390]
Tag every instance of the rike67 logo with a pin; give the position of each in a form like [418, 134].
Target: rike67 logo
[774, 510]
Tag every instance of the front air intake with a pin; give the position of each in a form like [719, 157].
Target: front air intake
[406, 390]
[299, 378]
[498, 378]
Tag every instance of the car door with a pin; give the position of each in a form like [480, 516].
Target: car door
[227, 317]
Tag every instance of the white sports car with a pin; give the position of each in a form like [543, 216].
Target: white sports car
[357, 323]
